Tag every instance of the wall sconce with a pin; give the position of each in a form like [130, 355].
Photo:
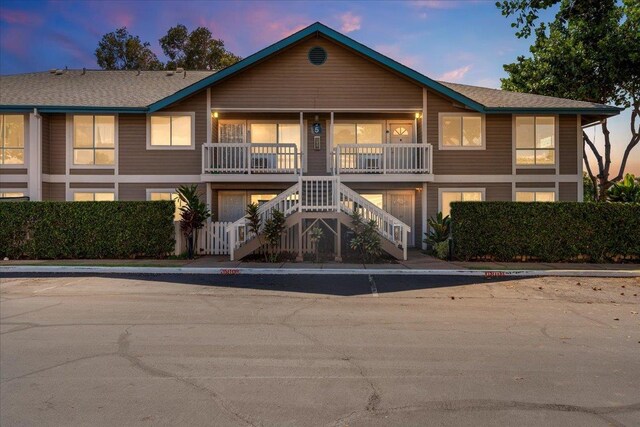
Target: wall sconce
[215, 114]
[418, 115]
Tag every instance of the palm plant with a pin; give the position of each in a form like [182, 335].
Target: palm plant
[627, 190]
[273, 228]
[316, 234]
[366, 239]
[438, 234]
[193, 214]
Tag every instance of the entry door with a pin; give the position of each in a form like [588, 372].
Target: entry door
[401, 205]
[231, 205]
[400, 158]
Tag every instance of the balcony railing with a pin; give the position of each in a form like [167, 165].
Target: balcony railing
[382, 158]
[250, 158]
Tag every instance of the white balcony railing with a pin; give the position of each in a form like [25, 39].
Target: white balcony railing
[250, 158]
[382, 158]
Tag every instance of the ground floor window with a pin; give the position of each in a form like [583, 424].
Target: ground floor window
[155, 195]
[453, 195]
[535, 196]
[375, 198]
[106, 196]
[10, 194]
[261, 199]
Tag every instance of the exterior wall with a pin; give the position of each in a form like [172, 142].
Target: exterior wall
[289, 80]
[57, 144]
[495, 159]
[568, 145]
[139, 191]
[53, 192]
[568, 192]
[500, 191]
[46, 144]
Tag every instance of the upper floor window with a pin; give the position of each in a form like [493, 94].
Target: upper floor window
[535, 140]
[231, 131]
[275, 133]
[94, 140]
[535, 196]
[358, 133]
[11, 140]
[461, 131]
[171, 131]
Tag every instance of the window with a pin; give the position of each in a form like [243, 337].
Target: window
[167, 195]
[9, 195]
[376, 199]
[461, 131]
[358, 133]
[94, 140]
[261, 199]
[275, 133]
[447, 197]
[172, 131]
[535, 196]
[535, 140]
[11, 140]
[94, 197]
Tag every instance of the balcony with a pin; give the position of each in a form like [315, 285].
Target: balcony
[248, 159]
[385, 159]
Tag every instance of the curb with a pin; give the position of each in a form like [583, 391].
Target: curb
[310, 271]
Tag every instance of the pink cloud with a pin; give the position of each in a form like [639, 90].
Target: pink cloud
[268, 25]
[394, 51]
[20, 17]
[69, 44]
[120, 18]
[435, 4]
[455, 75]
[350, 22]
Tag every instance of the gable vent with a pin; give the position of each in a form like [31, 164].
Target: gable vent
[317, 55]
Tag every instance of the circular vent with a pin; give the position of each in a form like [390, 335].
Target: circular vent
[317, 55]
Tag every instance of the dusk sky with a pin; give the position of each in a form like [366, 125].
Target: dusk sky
[457, 41]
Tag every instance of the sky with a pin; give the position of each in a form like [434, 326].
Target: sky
[464, 41]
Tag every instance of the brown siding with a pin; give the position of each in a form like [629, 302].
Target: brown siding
[535, 171]
[494, 192]
[13, 184]
[135, 159]
[535, 185]
[91, 185]
[568, 145]
[317, 159]
[46, 143]
[91, 171]
[568, 192]
[139, 191]
[13, 171]
[494, 160]
[57, 144]
[53, 192]
[345, 80]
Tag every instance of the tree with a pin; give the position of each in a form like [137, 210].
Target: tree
[197, 50]
[193, 213]
[588, 52]
[120, 50]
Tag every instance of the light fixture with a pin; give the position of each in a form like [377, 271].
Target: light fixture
[417, 115]
[215, 114]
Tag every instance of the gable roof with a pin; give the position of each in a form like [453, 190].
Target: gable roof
[151, 91]
[93, 89]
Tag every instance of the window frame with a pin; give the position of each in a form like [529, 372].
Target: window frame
[73, 191]
[517, 190]
[383, 123]
[481, 190]
[25, 148]
[149, 191]
[191, 114]
[556, 142]
[247, 130]
[483, 131]
[71, 143]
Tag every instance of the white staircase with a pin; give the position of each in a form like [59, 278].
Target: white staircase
[323, 194]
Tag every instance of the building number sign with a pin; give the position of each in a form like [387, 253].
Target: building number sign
[316, 128]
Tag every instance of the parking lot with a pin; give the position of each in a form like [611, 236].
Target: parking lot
[319, 350]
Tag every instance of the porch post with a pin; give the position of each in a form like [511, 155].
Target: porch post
[34, 163]
[424, 116]
[424, 214]
[332, 160]
[299, 258]
[339, 241]
[303, 149]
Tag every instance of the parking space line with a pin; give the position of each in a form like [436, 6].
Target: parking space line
[374, 288]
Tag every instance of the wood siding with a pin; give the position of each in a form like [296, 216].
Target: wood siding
[536, 185]
[91, 171]
[109, 185]
[568, 192]
[10, 185]
[568, 145]
[289, 80]
[53, 192]
[46, 144]
[57, 144]
[535, 171]
[494, 160]
[139, 191]
[13, 171]
[135, 159]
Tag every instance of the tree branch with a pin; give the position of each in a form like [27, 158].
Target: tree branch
[635, 139]
[594, 150]
[591, 176]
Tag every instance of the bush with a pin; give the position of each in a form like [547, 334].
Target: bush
[54, 230]
[552, 232]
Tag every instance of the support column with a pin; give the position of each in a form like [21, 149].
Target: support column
[339, 241]
[35, 156]
[424, 116]
[332, 160]
[424, 213]
[299, 258]
[303, 148]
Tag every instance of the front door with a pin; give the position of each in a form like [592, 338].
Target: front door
[400, 159]
[231, 205]
[401, 133]
[400, 204]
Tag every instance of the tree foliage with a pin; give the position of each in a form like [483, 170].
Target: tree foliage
[588, 52]
[120, 50]
[626, 191]
[195, 50]
[193, 213]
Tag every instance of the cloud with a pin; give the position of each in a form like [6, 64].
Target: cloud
[435, 4]
[455, 75]
[394, 51]
[350, 22]
[19, 17]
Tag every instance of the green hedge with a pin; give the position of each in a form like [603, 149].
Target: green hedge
[561, 231]
[54, 230]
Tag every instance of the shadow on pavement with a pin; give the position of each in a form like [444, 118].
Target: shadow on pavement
[334, 284]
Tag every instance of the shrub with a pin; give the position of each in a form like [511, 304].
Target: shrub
[439, 229]
[560, 231]
[366, 239]
[54, 230]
